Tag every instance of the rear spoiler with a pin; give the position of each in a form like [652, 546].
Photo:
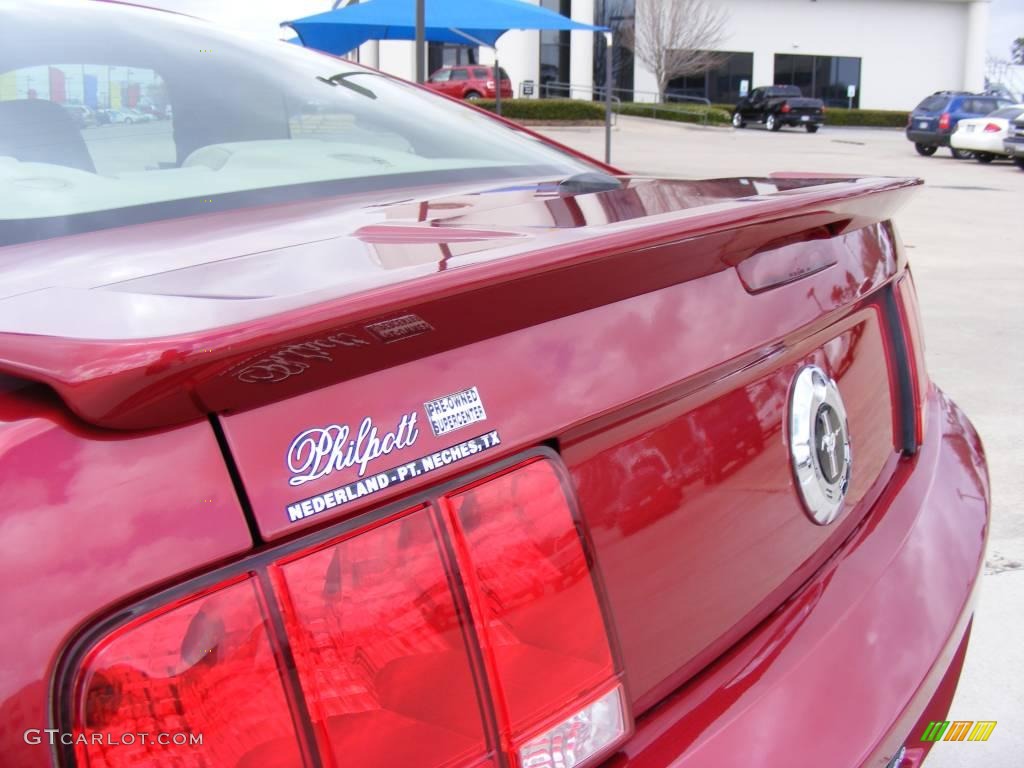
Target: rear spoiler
[150, 383]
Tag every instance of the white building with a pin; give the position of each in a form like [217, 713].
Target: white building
[894, 51]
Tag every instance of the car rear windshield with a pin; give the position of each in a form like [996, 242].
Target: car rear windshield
[113, 115]
[1008, 113]
[784, 90]
[933, 104]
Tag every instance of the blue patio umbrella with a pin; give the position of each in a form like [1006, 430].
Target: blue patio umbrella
[479, 22]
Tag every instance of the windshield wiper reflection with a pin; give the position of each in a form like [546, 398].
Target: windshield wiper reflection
[342, 79]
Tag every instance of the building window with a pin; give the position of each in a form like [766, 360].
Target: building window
[449, 55]
[614, 14]
[720, 84]
[821, 77]
[554, 53]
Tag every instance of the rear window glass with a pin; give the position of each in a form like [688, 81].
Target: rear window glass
[1009, 113]
[979, 106]
[460, 74]
[933, 104]
[105, 104]
[481, 74]
[157, 116]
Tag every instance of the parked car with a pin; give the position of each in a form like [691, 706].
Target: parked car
[111, 116]
[1013, 144]
[155, 112]
[469, 81]
[81, 115]
[779, 105]
[427, 443]
[932, 122]
[984, 136]
[134, 115]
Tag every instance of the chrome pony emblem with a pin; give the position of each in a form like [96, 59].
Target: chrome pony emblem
[819, 444]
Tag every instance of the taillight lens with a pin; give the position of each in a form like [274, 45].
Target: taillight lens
[785, 108]
[944, 122]
[535, 604]
[379, 648]
[203, 667]
[431, 637]
[584, 735]
[992, 128]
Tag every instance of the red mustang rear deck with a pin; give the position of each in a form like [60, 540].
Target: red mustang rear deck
[661, 374]
[518, 471]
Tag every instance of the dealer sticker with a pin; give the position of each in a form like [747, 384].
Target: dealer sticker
[388, 478]
[446, 414]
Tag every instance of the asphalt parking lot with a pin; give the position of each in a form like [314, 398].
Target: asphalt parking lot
[964, 233]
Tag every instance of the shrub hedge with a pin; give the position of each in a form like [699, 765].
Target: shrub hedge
[876, 118]
[546, 109]
[581, 110]
[575, 110]
[680, 113]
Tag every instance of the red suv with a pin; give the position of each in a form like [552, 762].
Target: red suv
[470, 81]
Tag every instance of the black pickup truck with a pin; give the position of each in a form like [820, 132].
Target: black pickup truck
[779, 105]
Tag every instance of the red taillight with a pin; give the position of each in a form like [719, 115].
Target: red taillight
[538, 615]
[992, 128]
[433, 637]
[206, 667]
[380, 650]
[944, 122]
[785, 108]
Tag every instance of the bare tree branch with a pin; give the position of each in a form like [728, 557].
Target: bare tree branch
[673, 38]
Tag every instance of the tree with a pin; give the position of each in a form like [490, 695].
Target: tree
[673, 38]
[1017, 51]
[995, 70]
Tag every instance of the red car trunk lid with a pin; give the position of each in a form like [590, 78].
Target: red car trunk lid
[650, 333]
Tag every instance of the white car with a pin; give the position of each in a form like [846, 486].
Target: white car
[984, 135]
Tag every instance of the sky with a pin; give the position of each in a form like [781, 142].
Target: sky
[1005, 26]
[261, 17]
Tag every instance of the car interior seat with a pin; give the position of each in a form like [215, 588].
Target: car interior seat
[39, 131]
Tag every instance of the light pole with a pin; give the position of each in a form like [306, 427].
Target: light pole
[497, 82]
[608, 97]
[420, 41]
